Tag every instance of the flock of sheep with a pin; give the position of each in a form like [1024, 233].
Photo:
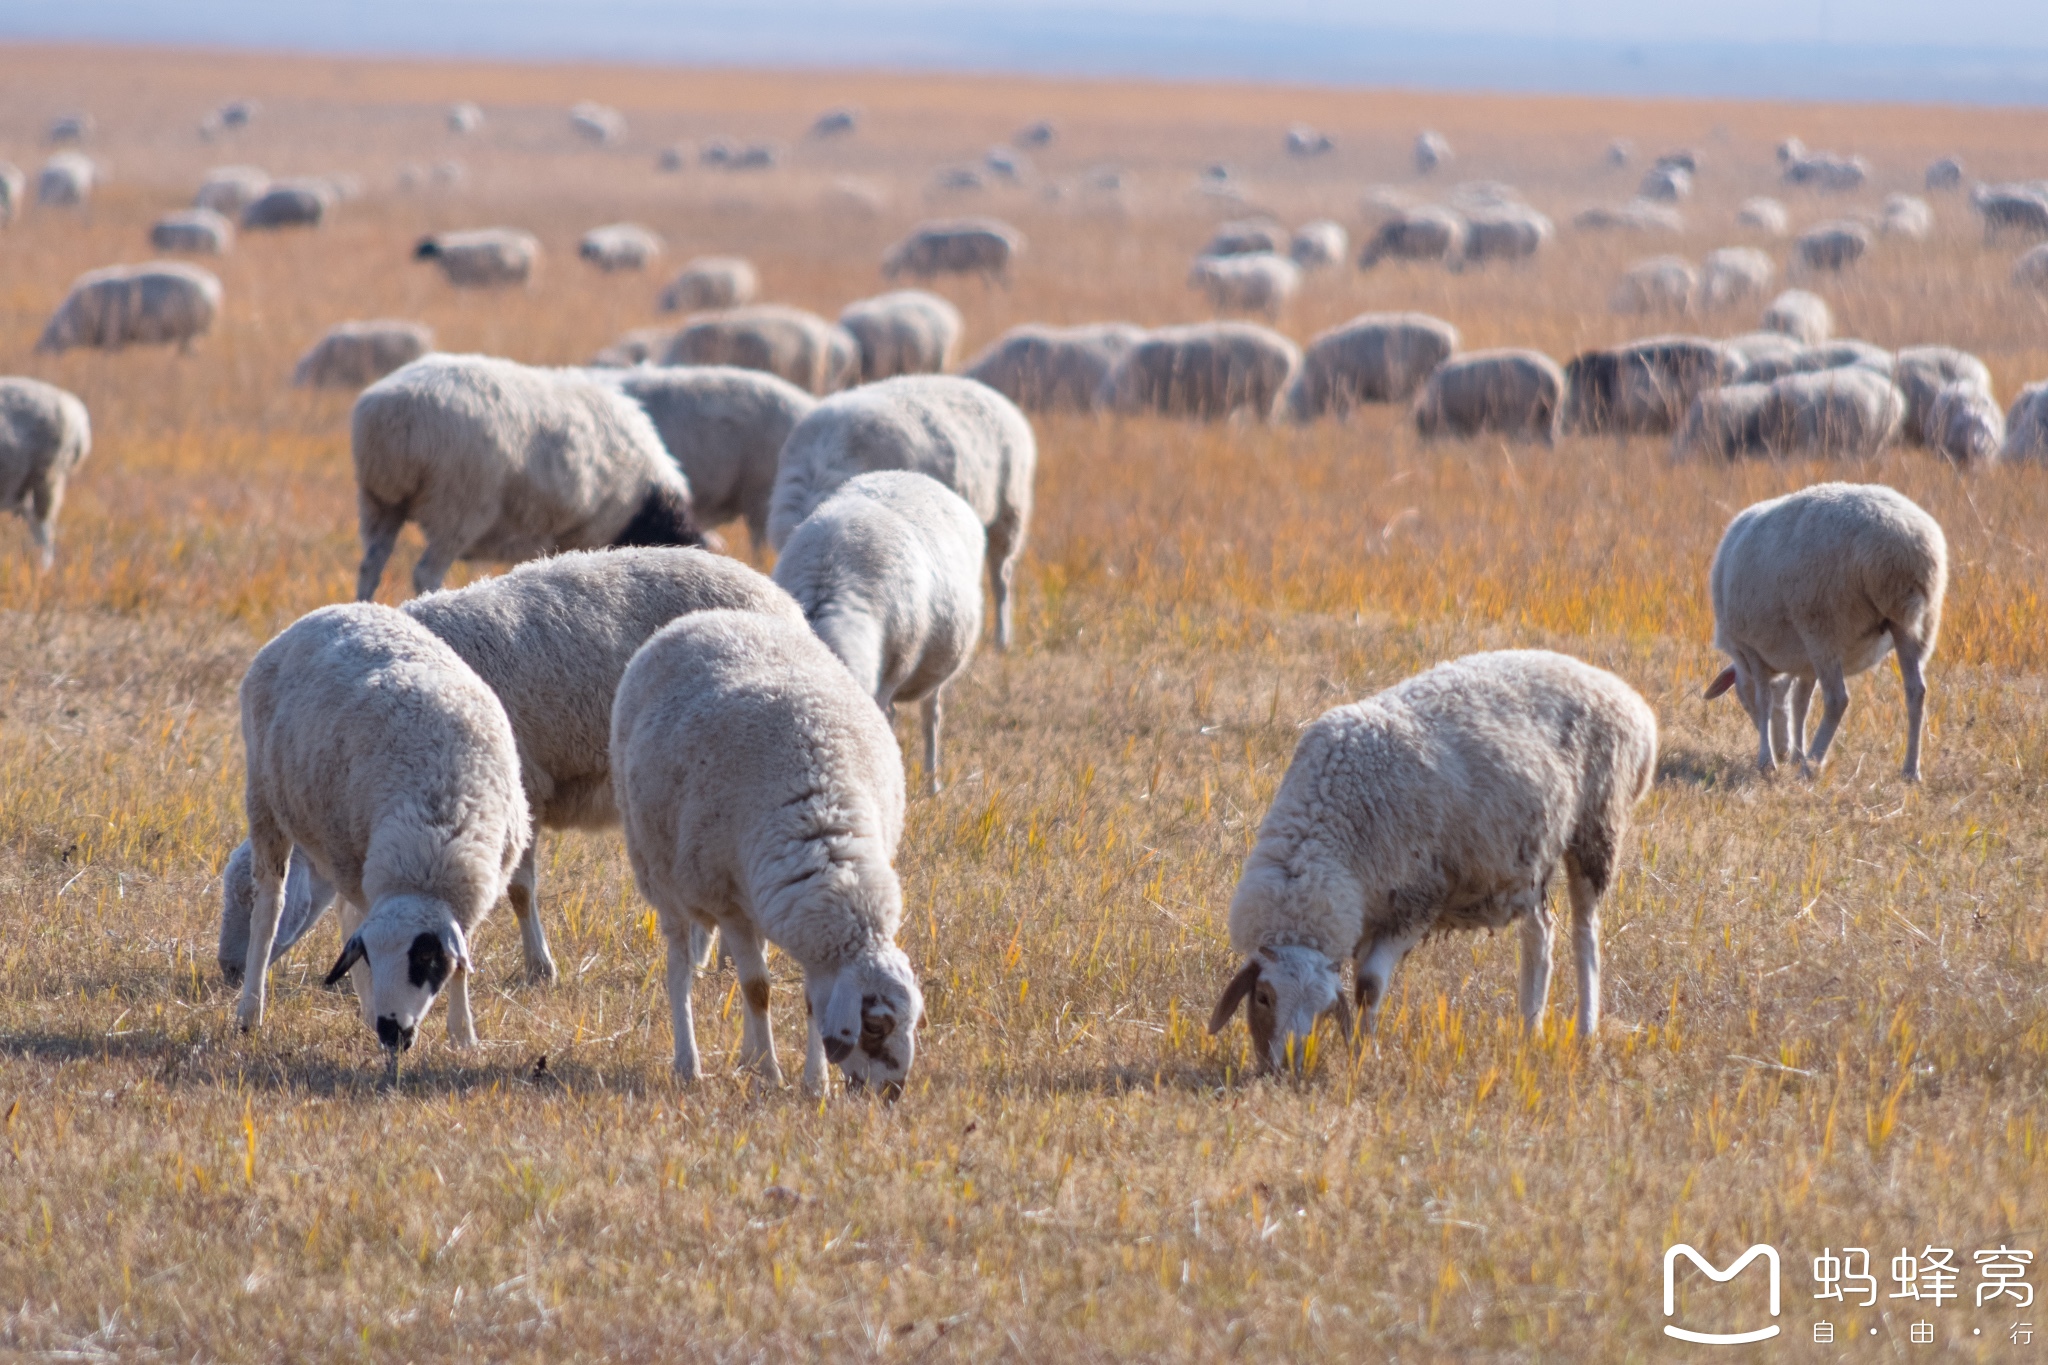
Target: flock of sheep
[401, 761]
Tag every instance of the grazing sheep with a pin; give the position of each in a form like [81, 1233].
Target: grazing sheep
[1303, 140]
[1508, 232]
[956, 179]
[353, 354]
[71, 128]
[672, 159]
[504, 462]
[1619, 153]
[1831, 246]
[1007, 164]
[1799, 314]
[835, 123]
[620, 246]
[1319, 244]
[888, 573]
[2026, 425]
[640, 346]
[1446, 802]
[1665, 184]
[295, 204]
[1247, 237]
[1684, 159]
[1039, 134]
[66, 180]
[201, 232]
[724, 427]
[596, 124]
[711, 282]
[1817, 586]
[1765, 356]
[45, 434]
[1790, 150]
[1635, 216]
[2011, 208]
[1847, 411]
[1732, 275]
[1725, 423]
[13, 188]
[2030, 271]
[227, 190]
[464, 117]
[970, 246]
[1662, 284]
[1431, 151]
[1374, 358]
[482, 258]
[1512, 392]
[1944, 174]
[908, 331]
[1907, 216]
[1921, 372]
[376, 750]
[1421, 234]
[817, 356]
[1206, 371]
[1963, 424]
[1643, 387]
[1262, 283]
[1767, 216]
[1826, 171]
[762, 796]
[134, 305]
[960, 432]
[1054, 369]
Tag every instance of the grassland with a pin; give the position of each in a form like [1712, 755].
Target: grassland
[1827, 998]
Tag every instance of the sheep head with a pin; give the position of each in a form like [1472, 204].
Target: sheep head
[868, 1013]
[413, 946]
[1286, 991]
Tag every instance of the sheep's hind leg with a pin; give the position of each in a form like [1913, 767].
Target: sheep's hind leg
[1834, 691]
[931, 710]
[270, 854]
[379, 526]
[1781, 718]
[1533, 993]
[1911, 657]
[682, 971]
[524, 893]
[1585, 945]
[1802, 696]
[757, 1038]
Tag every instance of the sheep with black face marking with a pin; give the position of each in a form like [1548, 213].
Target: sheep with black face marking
[1054, 369]
[762, 796]
[711, 282]
[888, 573]
[353, 354]
[817, 356]
[725, 428]
[1207, 371]
[1448, 801]
[380, 753]
[964, 434]
[1816, 587]
[907, 331]
[505, 462]
[159, 303]
[45, 434]
[1510, 392]
[482, 258]
[1373, 358]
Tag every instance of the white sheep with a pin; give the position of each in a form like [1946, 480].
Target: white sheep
[711, 282]
[45, 434]
[1662, 284]
[620, 246]
[1725, 423]
[1643, 387]
[1850, 411]
[817, 356]
[1665, 184]
[482, 258]
[597, 124]
[67, 180]
[2026, 425]
[1908, 216]
[1944, 173]
[1054, 369]
[960, 432]
[762, 796]
[1259, 282]
[1764, 215]
[1826, 171]
[1448, 801]
[1734, 274]
[1373, 358]
[1246, 237]
[1638, 215]
[725, 428]
[1800, 314]
[505, 462]
[1921, 372]
[1318, 245]
[888, 573]
[464, 117]
[1512, 392]
[353, 354]
[227, 190]
[158, 303]
[1831, 246]
[200, 232]
[1207, 371]
[380, 753]
[906, 331]
[972, 246]
[1963, 424]
[1431, 151]
[1427, 233]
[1505, 232]
[298, 203]
[1817, 586]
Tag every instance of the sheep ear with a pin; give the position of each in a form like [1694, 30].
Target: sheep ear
[1720, 684]
[351, 954]
[1233, 995]
[460, 942]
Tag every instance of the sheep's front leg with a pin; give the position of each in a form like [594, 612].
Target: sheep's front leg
[1375, 971]
[757, 1038]
[379, 527]
[461, 1024]
[40, 508]
[682, 971]
[270, 854]
[814, 1051]
[1754, 687]
[931, 712]
[1802, 697]
[1911, 658]
[1534, 992]
[352, 917]
[434, 563]
[1002, 566]
[524, 893]
[1781, 718]
[1834, 692]
[1585, 946]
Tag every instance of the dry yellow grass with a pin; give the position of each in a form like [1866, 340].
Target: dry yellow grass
[1827, 999]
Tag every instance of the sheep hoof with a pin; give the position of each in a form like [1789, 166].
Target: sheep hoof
[542, 972]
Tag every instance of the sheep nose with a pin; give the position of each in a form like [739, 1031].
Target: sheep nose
[394, 1035]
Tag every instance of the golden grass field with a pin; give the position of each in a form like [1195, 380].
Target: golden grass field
[1828, 999]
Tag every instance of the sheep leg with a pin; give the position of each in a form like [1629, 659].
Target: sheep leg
[1534, 988]
[1002, 567]
[435, 562]
[682, 971]
[1585, 945]
[1911, 656]
[352, 917]
[524, 893]
[1781, 719]
[1834, 692]
[378, 525]
[1802, 696]
[931, 712]
[270, 854]
[461, 1024]
[1755, 690]
[814, 1051]
[757, 1037]
[43, 501]
[1375, 970]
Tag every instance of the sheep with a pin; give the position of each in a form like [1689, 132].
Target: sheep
[464, 117]
[724, 427]
[1246, 237]
[1732, 275]
[1619, 153]
[1665, 184]
[1206, 371]
[1054, 369]
[2011, 208]
[307, 898]
[1800, 314]
[1420, 234]
[962, 433]
[71, 128]
[1643, 387]
[619, 246]
[227, 190]
[639, 346]
[1921, 372]
[1302, 140]
[295, 204]
[970, 246]
[1831, 246]
[13, 188]
[500, 461]
[135, 305]
[482, 258]
[2026, 425]
[1827, 171]
[1845, 351]
[711, 282]
[1259, 283]
[1791, 150]
[762, 795]
[2030, 271]
[1319, 244]
[1944, 173]
[908, 331]
[1763, 215]
[1684, 159]
[1907, 216]
[672, 159]
[1725, 423]
[1513, 392]
[835, 123]
[1039, 134]
[1963, 424]
[201, 232]
[1007, 164]
[45, 434]
[1765, 356]
[1662, 284]
[817, 356]
[353, 354]
[1635, 216]
[1849, 410]
[375, 749]
[67, 180]
[888, 573]
[954, 179]
[596, 123]
[1510, 232]
[1431, 151]
[1373, 358]
[1447, 801]
[1817, 586]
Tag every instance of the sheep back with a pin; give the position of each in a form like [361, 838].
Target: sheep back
[1513, 392]
[353, 354]
[908, 331]
[1205, 371]
[817, 356]
[159, 303]
[1051, 369]
[1373, 358]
